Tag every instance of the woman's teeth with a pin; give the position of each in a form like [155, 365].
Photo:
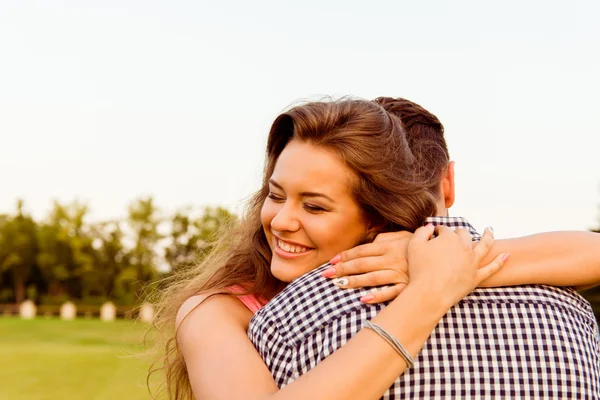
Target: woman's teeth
[291, 248]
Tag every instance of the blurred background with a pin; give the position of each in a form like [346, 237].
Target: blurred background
[130, 131]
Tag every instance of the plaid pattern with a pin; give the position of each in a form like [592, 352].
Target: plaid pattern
[529, 342]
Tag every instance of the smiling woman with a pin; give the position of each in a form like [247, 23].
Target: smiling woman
[309, 203]
[337, 174]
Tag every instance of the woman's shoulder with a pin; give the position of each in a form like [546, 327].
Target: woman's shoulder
[211, 306]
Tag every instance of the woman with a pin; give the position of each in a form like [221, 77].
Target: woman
[344, 172]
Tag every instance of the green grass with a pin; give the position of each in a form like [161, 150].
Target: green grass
[80, 359]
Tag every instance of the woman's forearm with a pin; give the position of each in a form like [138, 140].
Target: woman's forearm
[366, 366]
[553, 258]
[222, 363]
[443, 271]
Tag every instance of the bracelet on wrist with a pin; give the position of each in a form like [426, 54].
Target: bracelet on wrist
[392, 341]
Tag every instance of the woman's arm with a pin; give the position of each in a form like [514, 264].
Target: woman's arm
[552, 258]
[223, 364]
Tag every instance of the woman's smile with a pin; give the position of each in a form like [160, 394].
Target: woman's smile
[289, 250]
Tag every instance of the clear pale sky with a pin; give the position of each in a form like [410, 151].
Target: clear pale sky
[105, 101]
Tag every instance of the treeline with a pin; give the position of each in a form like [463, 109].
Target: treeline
[66, 257]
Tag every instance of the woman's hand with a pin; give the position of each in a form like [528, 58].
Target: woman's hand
[382, 262]
[448, 266]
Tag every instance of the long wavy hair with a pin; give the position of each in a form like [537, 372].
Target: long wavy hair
[390, 189]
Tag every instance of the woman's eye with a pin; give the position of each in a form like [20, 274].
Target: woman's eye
[313, 209]
[274, 197]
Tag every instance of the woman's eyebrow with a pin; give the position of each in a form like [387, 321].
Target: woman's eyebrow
[277, 185]
[303, 194]
[315, 194]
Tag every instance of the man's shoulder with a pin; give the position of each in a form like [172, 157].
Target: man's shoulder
[308, 304]
[561, 298]
[311, 303]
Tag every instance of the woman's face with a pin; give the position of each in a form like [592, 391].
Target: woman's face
[309, 215]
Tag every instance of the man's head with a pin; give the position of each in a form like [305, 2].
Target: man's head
[425, 134]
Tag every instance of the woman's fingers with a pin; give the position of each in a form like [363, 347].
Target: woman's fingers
[385, 294]
[357, 266]
[354, 260]
[375, 278]
[421, 236]
[487, 271]
[449, 262]
[465, 237]
[390, 253]
[485, 246]
[443, 230]
[364, 250]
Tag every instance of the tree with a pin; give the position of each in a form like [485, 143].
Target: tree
[143, 221]
[18, 249]
[113, 258]
[67, 257]
[181, 252]
[191, 239]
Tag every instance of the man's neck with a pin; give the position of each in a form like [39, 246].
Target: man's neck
[442, 212]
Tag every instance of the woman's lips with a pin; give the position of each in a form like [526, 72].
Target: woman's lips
[288, 250]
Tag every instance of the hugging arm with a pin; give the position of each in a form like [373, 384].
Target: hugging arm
[566, 258]
[552, 258]
[222, 363]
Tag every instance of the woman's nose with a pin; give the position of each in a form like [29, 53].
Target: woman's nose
[285, 219]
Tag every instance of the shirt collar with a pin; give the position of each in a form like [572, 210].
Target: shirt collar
[455, 222]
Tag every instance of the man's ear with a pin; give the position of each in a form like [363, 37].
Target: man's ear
[448, 185]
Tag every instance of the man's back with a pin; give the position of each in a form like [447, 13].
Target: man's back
[518, 342]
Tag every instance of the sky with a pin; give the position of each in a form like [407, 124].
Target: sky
[106, 101]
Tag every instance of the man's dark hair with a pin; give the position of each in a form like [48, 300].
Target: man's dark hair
[425, 134]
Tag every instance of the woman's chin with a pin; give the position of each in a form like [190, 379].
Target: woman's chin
[283, 275]
[287, 273]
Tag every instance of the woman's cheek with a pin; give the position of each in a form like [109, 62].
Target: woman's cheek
[325, 235]
[267, 213]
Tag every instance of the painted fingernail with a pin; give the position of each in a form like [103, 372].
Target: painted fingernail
[335, 259]
[429, 225]
[328, 273]
[505, 257]
[340, 282]
[367, 298]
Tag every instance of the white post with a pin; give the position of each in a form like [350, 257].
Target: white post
[27, 309]
[108, 311]
[68, 311]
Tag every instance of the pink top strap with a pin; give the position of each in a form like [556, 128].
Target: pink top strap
[252, 302]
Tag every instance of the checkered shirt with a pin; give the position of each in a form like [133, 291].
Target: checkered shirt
[527, 342]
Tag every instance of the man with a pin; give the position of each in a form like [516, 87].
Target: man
[513, 342]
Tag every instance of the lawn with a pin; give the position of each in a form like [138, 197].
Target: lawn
[80, 359]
